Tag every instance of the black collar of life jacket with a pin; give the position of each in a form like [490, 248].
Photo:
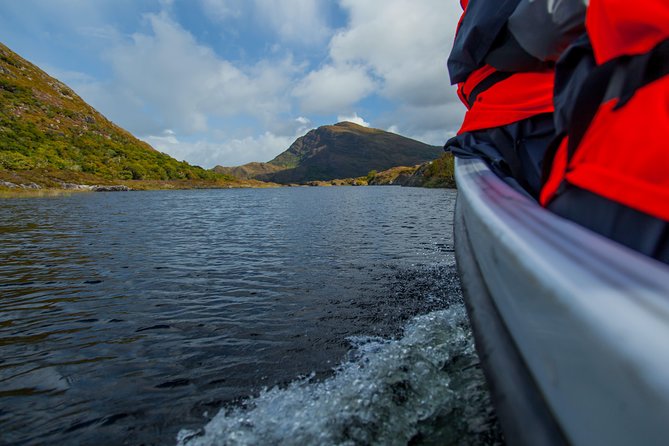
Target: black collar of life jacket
[618, 78]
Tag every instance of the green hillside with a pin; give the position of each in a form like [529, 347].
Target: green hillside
[45, 127]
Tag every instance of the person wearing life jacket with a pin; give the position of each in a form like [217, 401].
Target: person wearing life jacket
[610, 172]
[508, 94]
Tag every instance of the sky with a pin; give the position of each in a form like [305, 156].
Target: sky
[226, 82]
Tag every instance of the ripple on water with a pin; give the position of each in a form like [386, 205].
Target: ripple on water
[124, 318]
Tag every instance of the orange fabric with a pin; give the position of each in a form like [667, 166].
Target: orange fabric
[626, 27]
[624, 155]
[518, 97]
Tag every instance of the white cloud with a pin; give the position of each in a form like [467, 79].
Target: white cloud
[301, 22]
[167, 139]
[103, 32]
[184, 84]
[230, 112]
[209, 152]
[404, 42]
[164, 79]
[333, 88]
[394, 48]
[220, 10]
[397, 48]
[296, 21]
[354, 119]
[429, 124]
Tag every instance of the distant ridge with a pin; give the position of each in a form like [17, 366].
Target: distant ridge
[45, 126]
[248, 171]
[343, 150]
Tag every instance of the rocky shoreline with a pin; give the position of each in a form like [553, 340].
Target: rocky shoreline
[68, 186]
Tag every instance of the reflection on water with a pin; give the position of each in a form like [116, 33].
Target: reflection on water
[127, 317]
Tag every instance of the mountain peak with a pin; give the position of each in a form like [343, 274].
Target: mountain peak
[348, 124]
[347, 150]
[351, 127]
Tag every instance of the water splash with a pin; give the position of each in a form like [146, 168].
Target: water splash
[423, 388]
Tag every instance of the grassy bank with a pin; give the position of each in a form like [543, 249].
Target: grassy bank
[30, 182]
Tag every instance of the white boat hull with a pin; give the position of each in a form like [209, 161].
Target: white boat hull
[572, 328]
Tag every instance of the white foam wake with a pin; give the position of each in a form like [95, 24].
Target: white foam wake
[424, 387]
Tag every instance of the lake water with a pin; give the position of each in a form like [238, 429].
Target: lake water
[252, 316]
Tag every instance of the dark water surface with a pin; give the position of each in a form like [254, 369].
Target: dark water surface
[131, 318]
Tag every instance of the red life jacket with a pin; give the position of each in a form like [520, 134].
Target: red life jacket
[494, 98]
[516, 96]
[624, 27]
[623, 154]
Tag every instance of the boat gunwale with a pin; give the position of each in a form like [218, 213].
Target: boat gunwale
[602, 322]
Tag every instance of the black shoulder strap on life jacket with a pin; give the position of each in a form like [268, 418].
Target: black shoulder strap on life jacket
[638, 71]
[497, 76]
[644, 69]
[571, 71]
[590, 98]
[606, 82]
